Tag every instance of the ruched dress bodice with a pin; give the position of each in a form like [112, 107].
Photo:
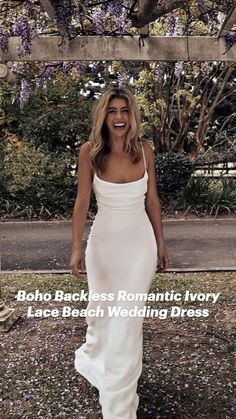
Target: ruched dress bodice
[127, 196]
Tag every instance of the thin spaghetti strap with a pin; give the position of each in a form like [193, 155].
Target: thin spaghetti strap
[145, 166]
[93, 172]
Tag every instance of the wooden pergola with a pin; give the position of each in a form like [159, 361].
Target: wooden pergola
[127, 48]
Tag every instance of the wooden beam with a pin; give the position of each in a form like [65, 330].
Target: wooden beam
[229, 21]
[126, 48]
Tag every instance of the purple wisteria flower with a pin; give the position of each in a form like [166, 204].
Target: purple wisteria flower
[115, 7]
[122, 24]
[4, 41]
[205, 69]
[66, 67]
[159, 74]
[80, 66]
[25, 92]
[98, 20]
[178, 68]
[45, 75]
[171, 23]
[174, 26]
[22, 28]
[19, 69]
[178, 28]
[122, 79]
[41, 22]
[230, 39]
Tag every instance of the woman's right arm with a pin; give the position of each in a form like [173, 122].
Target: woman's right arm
[77, 262]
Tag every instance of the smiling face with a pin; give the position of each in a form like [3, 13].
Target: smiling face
[118, 118]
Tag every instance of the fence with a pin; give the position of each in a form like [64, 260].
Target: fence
[216, 170]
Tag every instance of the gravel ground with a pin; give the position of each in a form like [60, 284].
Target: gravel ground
[188, 362]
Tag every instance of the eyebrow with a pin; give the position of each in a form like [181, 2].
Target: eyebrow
[113, 107]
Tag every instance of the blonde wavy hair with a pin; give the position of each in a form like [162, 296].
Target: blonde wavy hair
[98, 140]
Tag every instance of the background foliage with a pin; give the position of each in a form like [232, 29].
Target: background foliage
[34, 183]
[45, 115]
[173, 173]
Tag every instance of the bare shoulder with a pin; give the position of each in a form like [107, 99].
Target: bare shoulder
[148, 150]
[84, 160]
[147, 146]
[84, 152]
[85, 148]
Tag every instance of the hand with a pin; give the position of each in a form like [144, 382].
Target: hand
[163, 258]
[77, 263]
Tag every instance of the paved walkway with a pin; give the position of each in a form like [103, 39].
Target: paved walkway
[200, 244]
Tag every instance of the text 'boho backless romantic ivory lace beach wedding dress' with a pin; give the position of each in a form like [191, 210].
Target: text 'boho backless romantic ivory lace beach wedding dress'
[121, 254]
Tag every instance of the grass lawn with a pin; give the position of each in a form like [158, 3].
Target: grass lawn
[188, 362]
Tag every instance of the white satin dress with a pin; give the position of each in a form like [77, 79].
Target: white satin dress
[121, 254]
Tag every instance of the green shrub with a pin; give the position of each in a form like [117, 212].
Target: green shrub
[36, 184]
[209, 195]
[173, 173]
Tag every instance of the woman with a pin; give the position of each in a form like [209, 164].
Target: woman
[124, 243]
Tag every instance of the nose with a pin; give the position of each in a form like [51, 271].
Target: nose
[119, 114]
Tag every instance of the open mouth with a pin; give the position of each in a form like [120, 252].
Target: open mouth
[119, 125]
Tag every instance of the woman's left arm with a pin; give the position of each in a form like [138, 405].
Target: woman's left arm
[153, 208]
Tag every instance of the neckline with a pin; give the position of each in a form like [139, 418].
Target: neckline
[123, 183]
